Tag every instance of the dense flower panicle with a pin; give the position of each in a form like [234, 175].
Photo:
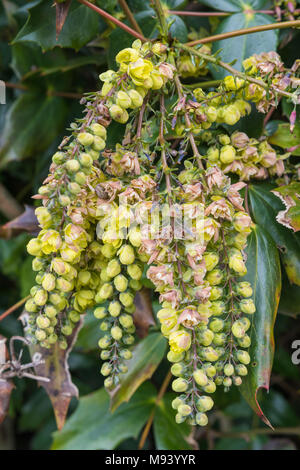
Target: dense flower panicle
[152, 205]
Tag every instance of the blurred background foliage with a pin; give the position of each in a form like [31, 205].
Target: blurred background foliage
[45, 78]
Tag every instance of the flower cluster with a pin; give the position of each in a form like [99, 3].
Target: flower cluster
[244, 156]
[153, 205]
[204, 305]
[141, 69]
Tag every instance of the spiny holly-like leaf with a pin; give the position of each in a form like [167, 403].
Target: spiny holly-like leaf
[265, 207]
[284, 138]
[93, 427]
[6, 386]
[240, 48]
[265, 277]
[290, 196]
[81, 25]
[147, 355]
[60, 388]
[62, 9]
[26, 222]
[167, 434]
[143, 315]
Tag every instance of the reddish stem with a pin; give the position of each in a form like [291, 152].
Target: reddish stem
[113, 20]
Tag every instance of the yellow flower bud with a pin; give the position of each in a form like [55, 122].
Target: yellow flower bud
[31, 306]
[106, 291]
[200, 377]
[213, 154]
[247, 306]
[211, 260]
[85, 138]
[179, 385]
[243, 357]
[136, 98]
[121, 283]
[157, 80]
[180, 341]
[106, 369]
[204, 403]
[126, 320]
[48, 282]
[184, 410]
[43, 216]
[98, 130]
[41, 297]
[126, 299]
[123, 99]
[83, 299]
[126, 254]
[134, 271]
[113, 268]
[244, 289]
[116, 333]
[51, 241]
[34, 247]
[118, 114]
[127, 55]
[215, 277]
[40, 335]
[233, 83]
[227, 154]
[50, 311]
[201, 419]
[72, 165]
[135, 237]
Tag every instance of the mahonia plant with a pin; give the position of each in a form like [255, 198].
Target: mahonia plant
[155, 204]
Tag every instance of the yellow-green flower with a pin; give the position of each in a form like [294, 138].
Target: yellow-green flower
[140, 71]
[51, 241]
[180, 341]
[127, 55]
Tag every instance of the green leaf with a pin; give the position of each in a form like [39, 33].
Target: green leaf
[241, 47]
[234, 5]
[290, 196]
[285, 139]
[32, 123]
[147, 355]
[167, 434]
[93, 427]
[82, 25]
[264, 207]
[264, 274]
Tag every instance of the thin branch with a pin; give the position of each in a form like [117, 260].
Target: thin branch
[205, 84]
[161, 17]
[241, 32]
[188, 123]
[113, 20]
[13, 308]
[232, 70]
[130, 17]
[222, 13]
[160, 395]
